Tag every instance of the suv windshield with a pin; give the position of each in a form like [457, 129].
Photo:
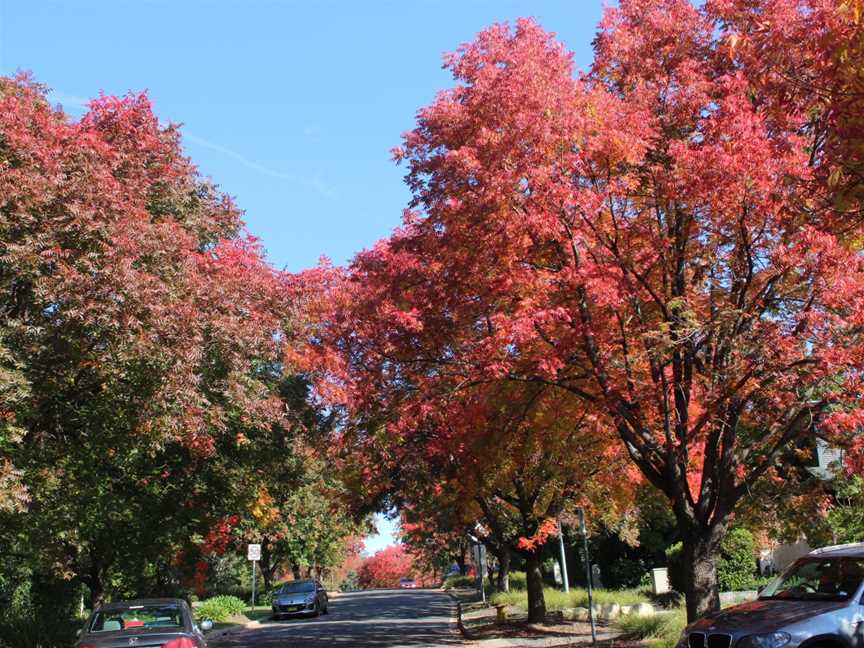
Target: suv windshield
[818, 579]
[297, 586]
[137, 616]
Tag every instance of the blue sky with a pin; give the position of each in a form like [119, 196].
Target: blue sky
[291, 107]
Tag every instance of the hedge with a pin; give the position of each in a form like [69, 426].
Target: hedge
[219, 608]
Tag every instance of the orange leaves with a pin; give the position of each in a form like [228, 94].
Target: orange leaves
[547, 528]
[263, 510]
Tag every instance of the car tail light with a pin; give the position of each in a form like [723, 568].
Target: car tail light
[182, 642]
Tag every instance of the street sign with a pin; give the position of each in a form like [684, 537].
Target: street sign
[253, 552]
[480, 556]
[480, 566]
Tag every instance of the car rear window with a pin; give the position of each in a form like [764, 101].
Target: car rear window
[137, 616]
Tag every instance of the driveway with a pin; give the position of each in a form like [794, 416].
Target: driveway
[369, 618]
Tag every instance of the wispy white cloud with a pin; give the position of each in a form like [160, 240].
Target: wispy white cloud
[313, 182]
[68, 100]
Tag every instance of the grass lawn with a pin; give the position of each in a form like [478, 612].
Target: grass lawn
[661, 630]
[558, 600]
[258, 613]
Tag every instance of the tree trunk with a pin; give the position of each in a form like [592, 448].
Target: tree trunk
[267, 572]
[97, 591]
[461, 561]
[699, 554]
[503, 583]
[536, 601]
[295, 571]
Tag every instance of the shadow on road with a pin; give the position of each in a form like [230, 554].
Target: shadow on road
[369, 618]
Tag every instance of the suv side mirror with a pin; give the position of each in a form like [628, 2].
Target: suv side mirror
[206, 625]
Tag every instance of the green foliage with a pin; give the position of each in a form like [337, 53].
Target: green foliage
[675, 565]
[350, 583]
[626, 573]
[845, 518]
[663, 630]
[219, 608]
[518, 581]
[457, 582]
[36, 610]
[736, 569]
[558, 600]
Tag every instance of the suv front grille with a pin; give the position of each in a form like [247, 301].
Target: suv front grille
[719, 640]
[696, 640]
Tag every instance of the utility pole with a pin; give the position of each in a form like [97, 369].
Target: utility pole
[584, 533]
[563, 557]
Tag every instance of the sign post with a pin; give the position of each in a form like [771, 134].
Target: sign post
[563, 557]
[480, 564]
[253, 554]
[584, 533]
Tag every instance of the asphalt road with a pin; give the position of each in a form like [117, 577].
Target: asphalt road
[370, 618]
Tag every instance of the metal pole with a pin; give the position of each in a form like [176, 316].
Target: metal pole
[253, 582]
[584, 533]
[563, 557]
[480, 569]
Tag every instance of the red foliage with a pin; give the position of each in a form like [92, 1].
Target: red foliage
[385, 568]
[650, 240]
[117, 236]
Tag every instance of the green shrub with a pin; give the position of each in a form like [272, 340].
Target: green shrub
[219, 608]
[518, 581]
[456, 582]
[625, 573]
[350, 583]
[37, 610]
[663, 630]
[558, 600]
[643, 627]
[736, 569]
[675, 565]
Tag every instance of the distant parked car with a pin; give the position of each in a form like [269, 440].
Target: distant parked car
[166, 623]
[407, 583]
[300, 597]
[818, 602]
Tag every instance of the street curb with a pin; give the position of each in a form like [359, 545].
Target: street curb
[460, 625]
[458, 620]
[229, 631]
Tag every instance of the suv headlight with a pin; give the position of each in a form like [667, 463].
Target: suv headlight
[770, 640]
[310, 598]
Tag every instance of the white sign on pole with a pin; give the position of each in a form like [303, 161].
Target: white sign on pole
[253, 552]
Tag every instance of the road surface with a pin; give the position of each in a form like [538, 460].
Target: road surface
[370, 618]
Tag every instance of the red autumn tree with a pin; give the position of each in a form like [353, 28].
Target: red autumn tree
[644, 238]
[509, 456]
[136, 319]
[807, 55]
[385, 568]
